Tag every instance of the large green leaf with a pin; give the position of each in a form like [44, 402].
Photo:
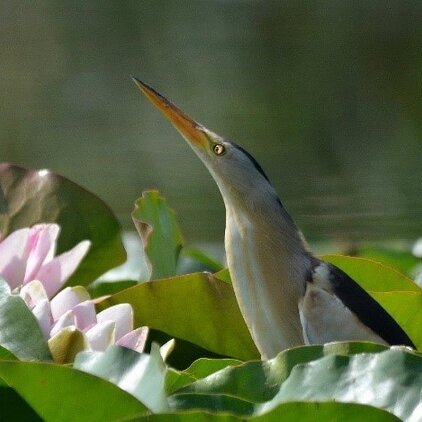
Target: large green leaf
[196, 307]
[156, 224]
[188, 416]
[373, 276]
[397, 293]
[288, 412]
[390, 379]
[204, 367]
[140, 374]
[19, 329]
[14, 408]
[215, 403]
[60, 393]
[201, 368]
[406, 308]
[28, 197]
[259, 381]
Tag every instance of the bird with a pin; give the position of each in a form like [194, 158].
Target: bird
[288, 297]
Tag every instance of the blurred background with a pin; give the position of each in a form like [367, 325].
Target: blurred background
[326, 95]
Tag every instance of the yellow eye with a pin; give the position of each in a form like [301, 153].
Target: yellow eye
[219, 149]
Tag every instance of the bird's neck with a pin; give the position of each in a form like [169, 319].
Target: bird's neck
[268, 261]
[263, 216]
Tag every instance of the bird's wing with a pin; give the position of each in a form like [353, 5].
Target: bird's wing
[336, 308]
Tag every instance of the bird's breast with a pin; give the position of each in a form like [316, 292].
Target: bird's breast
[268, 281]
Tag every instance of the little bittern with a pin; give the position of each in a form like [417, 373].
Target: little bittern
[287, 296]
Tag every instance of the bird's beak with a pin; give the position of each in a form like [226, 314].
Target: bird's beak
[192, 131]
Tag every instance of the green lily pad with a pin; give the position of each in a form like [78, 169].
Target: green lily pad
[288, 412]
[204, 367]
[60, 393]
[197, 307]
[201, 368]
[390, 380]
[259, 381]
[326, 411]
[14, 408]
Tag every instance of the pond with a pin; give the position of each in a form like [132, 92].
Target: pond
[327, 97]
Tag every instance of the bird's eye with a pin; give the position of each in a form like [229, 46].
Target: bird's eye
[219, 149]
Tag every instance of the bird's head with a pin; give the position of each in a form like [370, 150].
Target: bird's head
[238, 175]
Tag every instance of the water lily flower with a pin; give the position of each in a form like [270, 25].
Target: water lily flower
[68, 319]
[71, 317]
[29, 254]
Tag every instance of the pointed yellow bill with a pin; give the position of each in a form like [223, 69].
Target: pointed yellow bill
[191, 130]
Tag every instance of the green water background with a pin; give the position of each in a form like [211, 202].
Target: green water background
[326, 95]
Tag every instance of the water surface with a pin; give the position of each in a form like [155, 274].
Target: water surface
[326, 96]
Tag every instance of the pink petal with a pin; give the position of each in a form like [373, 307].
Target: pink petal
[101, 335]
[41, 247]
[67, 299]
[33, 293]
[135, 339]
[122, 315]
[42, 312]
[85, 315]
[56, 272]
[66, 320]
[12, 257]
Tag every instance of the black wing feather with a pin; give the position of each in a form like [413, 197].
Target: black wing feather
[367, 309]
